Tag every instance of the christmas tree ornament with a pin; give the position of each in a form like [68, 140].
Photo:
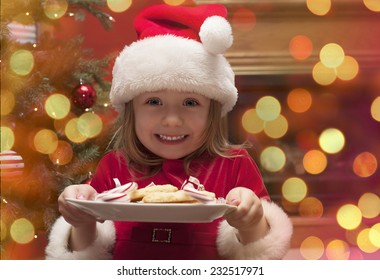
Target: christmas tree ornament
[11, 165]
[84, 96]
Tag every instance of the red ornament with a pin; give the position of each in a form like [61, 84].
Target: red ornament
[84, 96]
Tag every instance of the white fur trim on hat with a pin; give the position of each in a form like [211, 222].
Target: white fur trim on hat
[101, 249]
[216, 34]
[272, 246]
[167, 62]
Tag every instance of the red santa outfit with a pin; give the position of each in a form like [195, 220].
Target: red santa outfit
[216, 240]
[179, 49]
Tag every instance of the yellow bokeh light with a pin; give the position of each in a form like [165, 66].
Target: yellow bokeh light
[300, 47]
[268, 108]
[276, 128]
[119, 6]
[369, 205]
[251, 121]
[22, 62]
[72, 132]
[3, 230]
[273, 159]
[312, 248]
[314, 162]
[332, 140]
[375, 109]
[294, 189]
[323, 75]
[22, 231]
[365, 164]
[7, 138]
[348, 70]
[311, 207]
[337, 250]
[90, 124]
[373, 5]
[374, 235]
[332, 55]
[7, 102]
[63, 154]
[55, 9]
[174, 2]
[364, 242]
[57, 106]
[299, 100]
[349, 216]
[320, 7]
[45, 141]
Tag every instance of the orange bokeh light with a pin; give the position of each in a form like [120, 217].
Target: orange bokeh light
[300, 47]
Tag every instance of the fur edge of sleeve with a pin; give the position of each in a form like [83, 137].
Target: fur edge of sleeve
[57, 248]
[271, 247]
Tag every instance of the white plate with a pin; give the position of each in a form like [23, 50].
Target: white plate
[153, 212]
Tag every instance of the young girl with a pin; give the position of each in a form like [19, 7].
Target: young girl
[172, 89]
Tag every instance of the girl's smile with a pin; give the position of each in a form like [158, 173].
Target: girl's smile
[171, 124]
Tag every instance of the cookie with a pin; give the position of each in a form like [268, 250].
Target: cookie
[168, 197]
[139, 194]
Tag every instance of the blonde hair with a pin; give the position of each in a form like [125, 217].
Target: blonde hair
[141, 160]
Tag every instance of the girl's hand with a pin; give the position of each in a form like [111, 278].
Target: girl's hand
[249, 217]
[73, 215]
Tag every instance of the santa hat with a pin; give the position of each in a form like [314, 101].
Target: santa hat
[178, 48]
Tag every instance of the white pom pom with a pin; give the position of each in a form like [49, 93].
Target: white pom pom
[216, 34]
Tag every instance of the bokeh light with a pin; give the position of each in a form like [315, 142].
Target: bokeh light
[22, 62]
[365, 164]
[374, 235]
[7, 138]
[72, 132]
[364, 242]
[314, 162]
[323, 75]
[300, 47]
[348, 70]
[369, 205]
[45, 141]
[22, 231]
[268, 108]
[272, 159]
[349, 216]
[307, 139]
[251, 122]
[90, 124]
[320, 7]
[243, 19]
[332, 140]
[375, 109]
[337, 250]
[57, 106]
[311, 207]
[294, 189]
[299, 100]
[332, 55]
[276, 128]
[119, 6]
[7, 102]
[373, 5]
[63, 154]
[174, 2]
[312, 248]
[55, 9]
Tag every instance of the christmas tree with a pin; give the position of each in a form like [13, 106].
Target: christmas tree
[55, 119]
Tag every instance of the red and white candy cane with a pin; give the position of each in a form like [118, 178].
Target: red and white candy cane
[120, 193]
[189, 187]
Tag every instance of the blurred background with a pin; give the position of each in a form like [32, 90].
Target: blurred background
[308, 75]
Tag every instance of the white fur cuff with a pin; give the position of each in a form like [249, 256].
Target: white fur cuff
[273, 246]
[101, 249]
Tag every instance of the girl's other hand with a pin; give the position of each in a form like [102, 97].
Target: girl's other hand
[249, 217]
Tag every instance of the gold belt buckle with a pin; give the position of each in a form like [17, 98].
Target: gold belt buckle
[157, 239]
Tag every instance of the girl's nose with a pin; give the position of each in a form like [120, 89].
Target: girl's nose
[172, 119]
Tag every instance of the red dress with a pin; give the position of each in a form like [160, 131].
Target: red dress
[137, 240]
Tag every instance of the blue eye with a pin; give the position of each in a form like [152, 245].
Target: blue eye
[154, 101]
[190, 102]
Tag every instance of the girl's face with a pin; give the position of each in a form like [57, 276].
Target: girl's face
[169, 123]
